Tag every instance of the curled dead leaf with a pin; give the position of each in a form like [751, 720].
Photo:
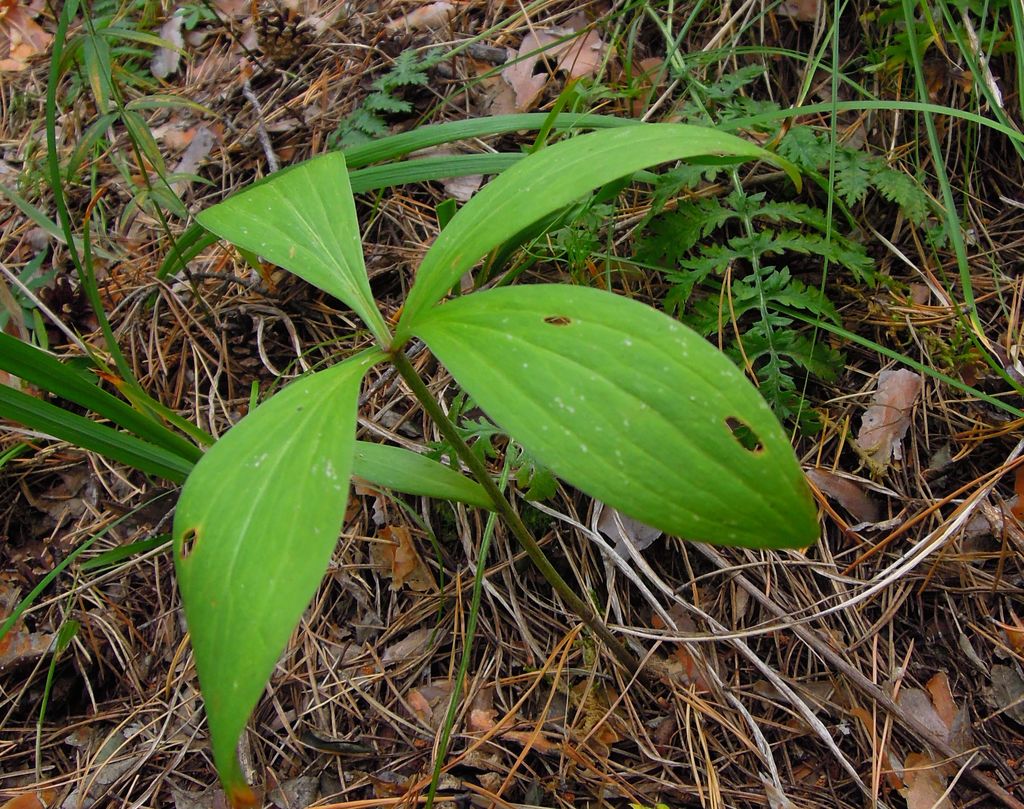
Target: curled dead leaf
[412, 645]
[1007, 693]
[1014, 632]
[624, 531]
[430, 702]
[799, 10]
[32, 800]
[432, 16]
[886, 421]
[167, 57]
[848, 492]
[577, 56]
[21, 37]
[397, 556]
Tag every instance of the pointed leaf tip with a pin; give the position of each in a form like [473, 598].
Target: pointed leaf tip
[303, 218]
[254, 530]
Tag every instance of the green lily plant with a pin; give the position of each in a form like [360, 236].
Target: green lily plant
[618, 399]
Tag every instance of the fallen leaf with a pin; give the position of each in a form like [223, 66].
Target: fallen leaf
[21, 37]
[211, 798]
[463, 188]
[777, 799]
[20, 644]
[458, 188]
[430, 702]
[432, 15]
[942, 698]
[1014, 632]
[482, 712]
[848, 492]
[295, 792]
[525, 83]
[624, 531]
[233, 9]
[918, 704]
[646, 76]
[925, 784]
[1007, 692]
[887, 420]
[167, 57]
[799, 10]
[31, 800]
[412, 645]
[397, 556]
[684, 668]
[198, 148]
[578, 56]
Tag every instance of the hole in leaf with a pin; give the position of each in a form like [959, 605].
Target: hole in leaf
[746, 437]
[557, 320]
[188, 542]
[544, 66]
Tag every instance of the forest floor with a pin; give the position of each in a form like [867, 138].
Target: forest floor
[883, 666]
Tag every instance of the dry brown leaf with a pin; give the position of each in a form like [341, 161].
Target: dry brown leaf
[647, 75]
[295, 793]
[233, 9]
[926, 785]
[624, 531]
[917, 703]
[520, 74]
[166, 59]
[463, 188]
[482, 712]
[430, 702]
[32, 800]
[887, 420]
[1008, 692]
[21, 37]
[1014, 632]
[408, 647]
[682, 667]
[20, 644]
[527, 738]
[210, 798]
[583, 56]
[432, 15]
[848, 492]
[799, 10]
[577, 57]
[198, 149]
[936, 710]
[942, 698]
[777, 799]
[396, 554]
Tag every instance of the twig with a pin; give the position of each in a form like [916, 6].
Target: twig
[261, 130]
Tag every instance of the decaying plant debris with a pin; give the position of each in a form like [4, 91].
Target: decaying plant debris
[884, 664]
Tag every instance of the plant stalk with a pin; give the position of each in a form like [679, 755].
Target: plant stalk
[505, 510]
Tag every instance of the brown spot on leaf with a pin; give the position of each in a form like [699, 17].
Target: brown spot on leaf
[558, 320]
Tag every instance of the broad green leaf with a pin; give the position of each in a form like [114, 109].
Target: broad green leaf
[303, 219]
[631, 407]
[253, 534]
[82, 432]
[406, 471]
[551, 179]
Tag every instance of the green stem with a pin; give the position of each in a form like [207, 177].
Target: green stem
[509, 515]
